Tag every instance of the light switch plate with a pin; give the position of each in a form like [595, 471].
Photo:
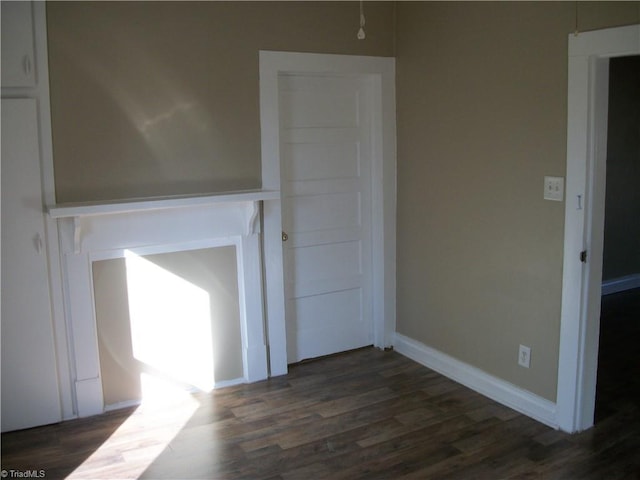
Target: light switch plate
[554, 188]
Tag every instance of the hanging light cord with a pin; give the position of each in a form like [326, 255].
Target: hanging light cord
[361, 34]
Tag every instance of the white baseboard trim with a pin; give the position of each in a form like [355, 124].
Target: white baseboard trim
[124, 404]
[230, 383]
[506, 393]
[621, 284]
[138, 402]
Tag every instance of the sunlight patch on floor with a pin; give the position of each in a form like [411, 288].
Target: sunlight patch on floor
[134, 446]
[171, 336]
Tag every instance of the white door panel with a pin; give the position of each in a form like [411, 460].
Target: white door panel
[326, 212]
[326, 236]
[339, 307]
[322, 269]
[313, 109]
[326, 262]
[323, 212]
[321, 187]
[323, 101]
[320, 287]
[29, 377]
[320, 161]
[309, 337]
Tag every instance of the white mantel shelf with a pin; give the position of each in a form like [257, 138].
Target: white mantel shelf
[67, 210]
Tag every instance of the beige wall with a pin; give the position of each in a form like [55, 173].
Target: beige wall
[622, 207]
[212, 270]
[482, 94]
[161, 98]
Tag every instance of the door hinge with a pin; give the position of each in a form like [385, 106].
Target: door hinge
[583, 256]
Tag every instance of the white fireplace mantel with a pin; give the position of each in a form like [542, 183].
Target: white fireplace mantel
[158, 206]
[97, 231]
[158, 203]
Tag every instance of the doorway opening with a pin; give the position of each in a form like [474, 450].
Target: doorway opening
[618, 386]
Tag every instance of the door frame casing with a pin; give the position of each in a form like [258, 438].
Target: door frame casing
[381, 72]
[587, 108]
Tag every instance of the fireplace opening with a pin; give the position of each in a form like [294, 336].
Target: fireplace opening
[167, 324]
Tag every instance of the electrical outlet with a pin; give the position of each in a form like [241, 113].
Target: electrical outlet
[524, 356]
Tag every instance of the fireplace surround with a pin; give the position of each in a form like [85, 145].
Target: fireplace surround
[91, 232]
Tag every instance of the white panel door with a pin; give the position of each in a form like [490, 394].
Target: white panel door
[30, 394]
[325, 152]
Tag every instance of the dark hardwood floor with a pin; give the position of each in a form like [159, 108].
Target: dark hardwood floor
[364, 414]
